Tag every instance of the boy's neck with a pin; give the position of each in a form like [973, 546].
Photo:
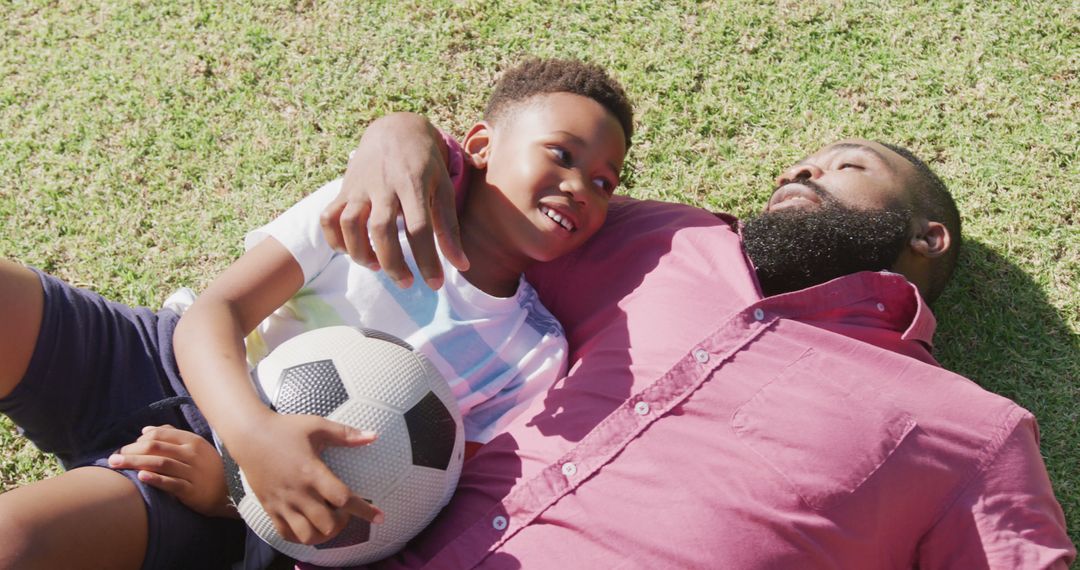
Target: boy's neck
[492, 268]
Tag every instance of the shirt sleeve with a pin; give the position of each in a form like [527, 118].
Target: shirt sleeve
[298, 228]
[299, 231]
[1006, 518]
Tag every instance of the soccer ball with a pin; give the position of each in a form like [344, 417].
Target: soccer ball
[369, 380]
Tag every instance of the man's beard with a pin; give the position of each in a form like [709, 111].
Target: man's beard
[794, 248]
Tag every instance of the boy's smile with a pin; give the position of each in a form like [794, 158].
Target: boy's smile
[563, 218]
[545, 172]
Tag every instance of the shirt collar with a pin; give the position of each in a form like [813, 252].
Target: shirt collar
[877, 298]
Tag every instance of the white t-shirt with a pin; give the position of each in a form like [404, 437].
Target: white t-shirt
[496, 353]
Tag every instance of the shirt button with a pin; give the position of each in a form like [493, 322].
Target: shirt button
[881, 307]
[759, 314]
[701, 356]
[641, 408]
[498, 523]
[569, 469]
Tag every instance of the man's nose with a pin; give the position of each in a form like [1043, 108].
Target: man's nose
[801, 171]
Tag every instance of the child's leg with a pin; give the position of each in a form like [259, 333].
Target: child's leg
[85, 518]
[98, 371]
[21, 305]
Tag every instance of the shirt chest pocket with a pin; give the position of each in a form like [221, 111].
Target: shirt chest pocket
[824, 426]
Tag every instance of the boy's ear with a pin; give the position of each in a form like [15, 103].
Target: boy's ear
[931, 239]
[478, 144]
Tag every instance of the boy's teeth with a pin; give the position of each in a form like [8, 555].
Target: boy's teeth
[558, 219]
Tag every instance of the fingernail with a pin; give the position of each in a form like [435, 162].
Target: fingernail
[115, 459]
[144, 475]
[378, 518]
[405, 282]
[374, 265]
[434, 283]
[367, 434]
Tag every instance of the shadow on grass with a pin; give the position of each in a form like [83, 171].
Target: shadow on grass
[997, 328]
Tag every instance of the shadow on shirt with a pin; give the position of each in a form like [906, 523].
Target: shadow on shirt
[580, 290]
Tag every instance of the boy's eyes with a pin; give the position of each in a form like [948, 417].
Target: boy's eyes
[563, 157]
[561, 154]
[607, 186]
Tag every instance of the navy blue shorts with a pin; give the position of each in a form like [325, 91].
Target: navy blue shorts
[99, 373]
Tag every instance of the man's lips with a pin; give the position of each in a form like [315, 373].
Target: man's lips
[793, 195]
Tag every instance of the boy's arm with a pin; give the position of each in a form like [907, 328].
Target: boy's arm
[399, 167]
[279, 453]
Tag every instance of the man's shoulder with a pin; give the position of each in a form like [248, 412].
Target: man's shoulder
[951, 408]
[624, 208]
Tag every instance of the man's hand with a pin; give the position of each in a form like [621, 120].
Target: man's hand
[399, 167]
[180, 463]
[281, 460]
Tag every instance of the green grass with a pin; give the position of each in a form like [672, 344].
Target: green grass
[140, 140]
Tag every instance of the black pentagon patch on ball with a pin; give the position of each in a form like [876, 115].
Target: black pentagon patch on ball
[357, 531]
[432, 432]
[380, 335]
[311, 388]
[232, 477]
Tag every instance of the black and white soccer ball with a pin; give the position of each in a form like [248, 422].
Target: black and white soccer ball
[369, 380]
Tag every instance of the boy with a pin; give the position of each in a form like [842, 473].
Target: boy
[544, 162]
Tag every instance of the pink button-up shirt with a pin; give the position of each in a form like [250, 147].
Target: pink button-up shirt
[702, 426]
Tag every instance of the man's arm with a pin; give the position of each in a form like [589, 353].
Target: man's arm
[1006, 518]
[399, 167]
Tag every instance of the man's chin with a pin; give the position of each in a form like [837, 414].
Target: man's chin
[797, 247]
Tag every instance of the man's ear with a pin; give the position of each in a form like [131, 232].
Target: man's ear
[931, 239]
[478, 144]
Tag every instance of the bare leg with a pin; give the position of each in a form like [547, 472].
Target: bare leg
[86, 518]
[21, 301]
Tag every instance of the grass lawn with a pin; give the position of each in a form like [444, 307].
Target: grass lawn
[140, 140]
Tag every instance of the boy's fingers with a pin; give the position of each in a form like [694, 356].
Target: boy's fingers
[331, 433]
[284, 524]
[172, 485]
[153, 446]
[322, 522]
[165, 466]
[167, 435]
[358, 507]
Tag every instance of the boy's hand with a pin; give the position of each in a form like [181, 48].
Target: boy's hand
[399, 167]
[180, 463]
[281, 460]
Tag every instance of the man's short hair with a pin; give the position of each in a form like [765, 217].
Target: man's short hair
[933, 200]
[542, 76]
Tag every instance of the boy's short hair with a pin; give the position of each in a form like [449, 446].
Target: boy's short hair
[541, 76]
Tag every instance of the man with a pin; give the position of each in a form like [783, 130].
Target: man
[761, 396]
